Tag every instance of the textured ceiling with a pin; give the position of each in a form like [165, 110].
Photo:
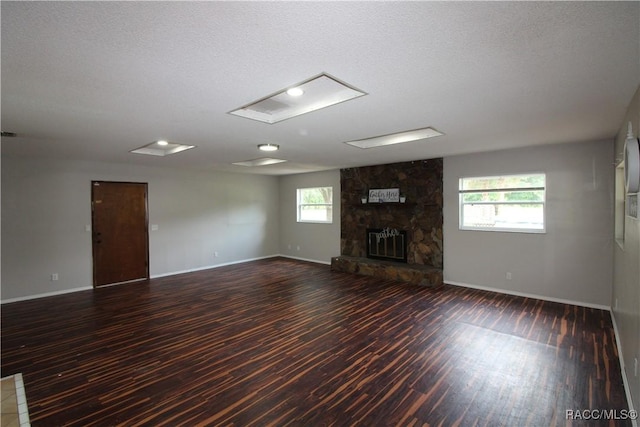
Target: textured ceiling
[94, 80]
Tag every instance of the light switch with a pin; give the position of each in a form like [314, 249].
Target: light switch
[87, 228]
[154, 227]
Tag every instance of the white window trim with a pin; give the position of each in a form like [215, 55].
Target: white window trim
[461, 192]
[299, 207]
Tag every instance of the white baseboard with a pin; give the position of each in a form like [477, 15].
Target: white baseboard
[625, 379]
[527, 295]
[172, 273]
[153, 276]
[46, 294]
[305, 259]
[208, 267]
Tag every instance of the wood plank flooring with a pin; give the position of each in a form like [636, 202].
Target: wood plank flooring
[281, 342]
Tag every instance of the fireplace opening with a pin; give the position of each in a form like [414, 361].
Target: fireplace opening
[387, 244]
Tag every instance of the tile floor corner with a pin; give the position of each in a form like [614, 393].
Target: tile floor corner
[14, 411]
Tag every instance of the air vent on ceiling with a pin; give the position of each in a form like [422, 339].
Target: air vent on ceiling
[272, 107]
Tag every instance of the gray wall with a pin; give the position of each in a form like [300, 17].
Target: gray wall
[626, 282]
[572, 261]
[317, 242]
[46, 207]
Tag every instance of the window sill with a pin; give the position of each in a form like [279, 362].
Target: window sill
[504, 230]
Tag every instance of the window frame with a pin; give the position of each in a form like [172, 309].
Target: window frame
[300, 205]
[527, 230]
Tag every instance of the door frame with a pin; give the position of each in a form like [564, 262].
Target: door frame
[93, 234]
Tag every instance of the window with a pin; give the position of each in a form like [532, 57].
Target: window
[620, 205]
[315, 204]
[503, 203]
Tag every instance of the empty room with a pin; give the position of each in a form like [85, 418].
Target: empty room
[320, 213]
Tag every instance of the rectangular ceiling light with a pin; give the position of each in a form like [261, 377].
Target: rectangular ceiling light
[162, 148]
[263, 161]
[310, 95]
[395, 138]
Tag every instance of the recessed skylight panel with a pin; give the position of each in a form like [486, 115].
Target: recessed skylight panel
[162, 148]
[263, 161]
[313, 94]
[395, 138]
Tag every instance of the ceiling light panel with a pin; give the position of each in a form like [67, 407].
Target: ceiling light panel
[263, 161]
[395, 138]
[313, 94]
[161, 148]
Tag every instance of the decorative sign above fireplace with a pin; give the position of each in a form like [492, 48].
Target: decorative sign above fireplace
[384, 195]
[387, 244]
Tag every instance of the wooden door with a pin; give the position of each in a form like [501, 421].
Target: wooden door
[120, 234]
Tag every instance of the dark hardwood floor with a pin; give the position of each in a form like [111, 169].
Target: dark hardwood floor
[283, 342]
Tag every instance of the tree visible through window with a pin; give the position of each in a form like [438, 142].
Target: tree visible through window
[503, 203]
[315, 204]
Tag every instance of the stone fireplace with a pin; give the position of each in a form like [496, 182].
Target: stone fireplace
[417, 212]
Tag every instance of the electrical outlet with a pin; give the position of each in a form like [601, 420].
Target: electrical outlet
[215, 254]
[54, 277]
[509, 276]
[298, 247]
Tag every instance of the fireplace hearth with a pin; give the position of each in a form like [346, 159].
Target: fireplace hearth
[387, 244]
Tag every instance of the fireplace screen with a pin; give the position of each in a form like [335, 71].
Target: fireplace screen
[387, 243]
